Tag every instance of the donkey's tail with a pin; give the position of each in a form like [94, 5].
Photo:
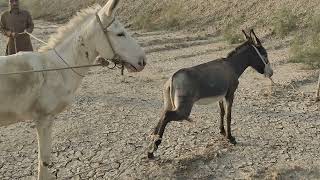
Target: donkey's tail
[168, 95]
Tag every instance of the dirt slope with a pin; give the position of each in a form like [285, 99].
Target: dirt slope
[108, 126]
[106, 131]
[209, 15]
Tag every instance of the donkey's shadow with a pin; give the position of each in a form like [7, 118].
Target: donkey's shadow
[198, 159]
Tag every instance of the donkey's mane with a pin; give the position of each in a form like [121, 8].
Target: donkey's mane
[66, 30]
[237, 48]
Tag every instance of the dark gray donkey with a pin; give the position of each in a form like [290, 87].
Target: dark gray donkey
[214, 81]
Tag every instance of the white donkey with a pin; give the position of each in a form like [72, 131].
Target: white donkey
[40, 96]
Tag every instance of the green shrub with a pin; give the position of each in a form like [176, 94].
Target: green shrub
[232, 38]
[34, 6]
[144, 21]
[231, 31]
[315, 24]
[306, 50]
[3, 3]
[169, 17]
[173, 15]
[145, 18]
[284, 22]
[31, 5]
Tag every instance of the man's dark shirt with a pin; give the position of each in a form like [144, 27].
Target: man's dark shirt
[17, 22]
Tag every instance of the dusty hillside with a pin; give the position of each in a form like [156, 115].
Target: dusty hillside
[188, 14]
[105, 133]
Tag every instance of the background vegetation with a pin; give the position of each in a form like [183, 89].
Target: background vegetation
[305, 47]
[273, 18]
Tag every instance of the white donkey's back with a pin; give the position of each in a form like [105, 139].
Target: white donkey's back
[93, 32]
[19, 92]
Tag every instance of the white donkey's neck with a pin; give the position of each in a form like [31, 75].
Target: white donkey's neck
[78, 43]
[72, 45]
[74, 51]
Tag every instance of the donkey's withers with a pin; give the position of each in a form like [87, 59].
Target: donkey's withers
[40, 96]
[215, 81]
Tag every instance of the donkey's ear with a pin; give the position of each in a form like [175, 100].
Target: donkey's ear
[245, 34]
[257, 40]
[110, 7]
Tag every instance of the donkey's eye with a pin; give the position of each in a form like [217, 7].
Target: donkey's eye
[121, 34]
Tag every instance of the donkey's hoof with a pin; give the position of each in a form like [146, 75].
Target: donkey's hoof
[150, 155]
[232, 140]
[223, 132]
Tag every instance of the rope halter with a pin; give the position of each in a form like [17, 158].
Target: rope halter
[116, 58]
[267, 67]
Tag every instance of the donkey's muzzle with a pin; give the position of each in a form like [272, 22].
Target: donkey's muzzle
[141, 64]
[268, 72]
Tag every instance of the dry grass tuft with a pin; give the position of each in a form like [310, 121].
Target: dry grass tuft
[306, 47]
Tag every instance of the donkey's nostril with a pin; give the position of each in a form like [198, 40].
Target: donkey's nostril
[142, 62]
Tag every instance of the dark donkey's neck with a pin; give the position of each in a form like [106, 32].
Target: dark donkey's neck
[239, 59]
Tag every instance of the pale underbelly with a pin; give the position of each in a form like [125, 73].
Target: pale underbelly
[209, 100]
[7, 119]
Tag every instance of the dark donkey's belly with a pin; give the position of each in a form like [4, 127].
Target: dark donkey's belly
[212, 88]
[206, 87]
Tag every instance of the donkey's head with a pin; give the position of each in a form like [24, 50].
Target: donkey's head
[259, 60]
[112, 41]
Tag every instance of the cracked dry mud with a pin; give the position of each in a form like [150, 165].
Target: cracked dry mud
[104, 134]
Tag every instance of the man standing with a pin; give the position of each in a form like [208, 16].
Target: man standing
[13, 22]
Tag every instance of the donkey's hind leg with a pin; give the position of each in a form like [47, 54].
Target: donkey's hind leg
[229, 101]
[222, 113]
[182, 113]
[44, 129]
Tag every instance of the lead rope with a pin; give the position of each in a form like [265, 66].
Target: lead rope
[102, 63]
[72, 68]
[25, 32]
[34, 37]
[67, 63]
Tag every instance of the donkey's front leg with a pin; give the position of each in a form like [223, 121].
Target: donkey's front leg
[222, 113]
[44, 129]
[229, 101]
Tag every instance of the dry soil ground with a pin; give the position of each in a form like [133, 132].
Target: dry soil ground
[105, 132]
